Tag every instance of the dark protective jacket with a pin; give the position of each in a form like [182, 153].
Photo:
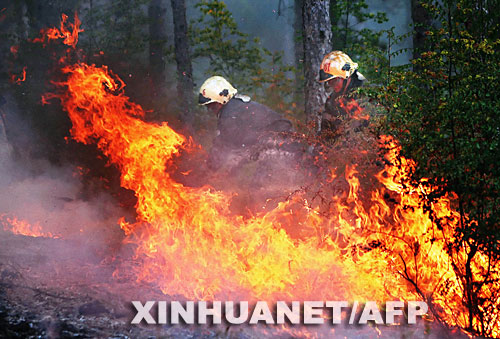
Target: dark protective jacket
[334, 113]
[241, 124]
[245, 129]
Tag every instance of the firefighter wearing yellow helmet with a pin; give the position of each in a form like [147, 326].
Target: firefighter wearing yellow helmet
[336, 64]
[340, 75]
[338, 68]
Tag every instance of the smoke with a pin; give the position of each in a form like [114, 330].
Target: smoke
[47, 196]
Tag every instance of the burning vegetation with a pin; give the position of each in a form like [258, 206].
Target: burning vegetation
[367, 238]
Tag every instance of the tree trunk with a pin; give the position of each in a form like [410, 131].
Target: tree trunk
[157, 37]
[421, 20]
[183, 60]
[317, 34]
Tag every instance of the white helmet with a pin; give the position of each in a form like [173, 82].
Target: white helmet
[216, 89]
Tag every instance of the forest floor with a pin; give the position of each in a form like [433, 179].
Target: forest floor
[53, 288]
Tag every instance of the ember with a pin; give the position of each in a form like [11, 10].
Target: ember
[18, 79]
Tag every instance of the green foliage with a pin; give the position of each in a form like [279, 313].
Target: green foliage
[364, 45]
[115, 28]
[229, 51]
[274, 86]
[444, 110]
[232, 54]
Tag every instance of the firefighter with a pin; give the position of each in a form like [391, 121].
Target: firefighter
[340, 75]
[246, 128]
[254, 150]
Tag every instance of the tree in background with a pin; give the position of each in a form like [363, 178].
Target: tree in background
[317, 33]
[445, 113]
[20, 21]
[362, 45]
[183, 59]
[421, 22]
[230, 53]
[298, 49]
[157, 14]
[116, 28]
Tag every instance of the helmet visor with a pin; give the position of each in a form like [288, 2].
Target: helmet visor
[323, 76]
[202, 100]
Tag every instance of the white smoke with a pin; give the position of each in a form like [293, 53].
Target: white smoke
[40, 193]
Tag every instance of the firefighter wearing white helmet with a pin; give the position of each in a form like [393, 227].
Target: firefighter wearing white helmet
[340, 75]
[253, 144]
[242, 122]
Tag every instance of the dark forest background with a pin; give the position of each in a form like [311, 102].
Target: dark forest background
[432, 67]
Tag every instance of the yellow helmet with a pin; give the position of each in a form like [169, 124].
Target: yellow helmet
[336, 64]
[216, 89]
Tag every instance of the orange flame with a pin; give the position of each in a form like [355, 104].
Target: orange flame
[18, 79]
[69, 33]
[192, 226]
[18, 226]
[352, 107]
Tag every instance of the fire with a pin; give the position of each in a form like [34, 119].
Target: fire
[67, 31]
[187, 241]
[18, 79]
[187, 238]
[18, 226]
[351, 105]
